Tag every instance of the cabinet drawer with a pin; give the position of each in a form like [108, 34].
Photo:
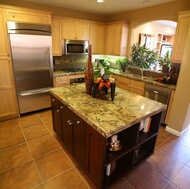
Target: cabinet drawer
[28, 16]
[60, 81]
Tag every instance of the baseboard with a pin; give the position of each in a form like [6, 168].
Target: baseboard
[177, 133]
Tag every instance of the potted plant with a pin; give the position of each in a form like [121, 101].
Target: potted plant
[165, 62]
[143, 57]
[122, 63]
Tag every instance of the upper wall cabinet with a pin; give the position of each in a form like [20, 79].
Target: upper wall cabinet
[29, 16]
[116, 38]
[56, 36]
[183, 26]
[72, 29]
[97, 38]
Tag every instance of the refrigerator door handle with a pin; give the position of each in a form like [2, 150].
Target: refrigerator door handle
[34, 92]
[51, 62]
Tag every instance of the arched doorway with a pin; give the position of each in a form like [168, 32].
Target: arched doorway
[159, 33]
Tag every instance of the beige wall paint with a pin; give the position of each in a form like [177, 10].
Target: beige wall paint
[56, 11]
[180, 114]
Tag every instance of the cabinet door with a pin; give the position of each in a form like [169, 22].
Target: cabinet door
[97, 36]
[117, 39]
[29, 16]
[3, 36]
[56, 114]
[109, 39]
[56, 36]
[82, 31]
[8, 105]
[79, 140]
[68, 29]
[137, 87]
[180, 37]
[123, 83]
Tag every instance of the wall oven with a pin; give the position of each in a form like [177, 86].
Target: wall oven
[75, 46]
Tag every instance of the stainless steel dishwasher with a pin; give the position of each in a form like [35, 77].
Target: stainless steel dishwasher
[158, 94]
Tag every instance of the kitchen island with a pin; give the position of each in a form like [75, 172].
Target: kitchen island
[86, 126]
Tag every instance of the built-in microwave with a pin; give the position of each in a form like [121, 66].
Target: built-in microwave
[75, 46]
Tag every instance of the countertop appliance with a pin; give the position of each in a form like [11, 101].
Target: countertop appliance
[158, 94]
[32, 63]
[75, 46]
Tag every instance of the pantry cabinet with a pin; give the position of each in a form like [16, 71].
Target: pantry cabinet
[183, 26]
[28, 16]
[8, 105]
[116, 38]
[72, 29]
[97, 38]
[56, 36]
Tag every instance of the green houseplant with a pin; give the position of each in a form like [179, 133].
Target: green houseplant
[165, 62]
[122, 63]
[143, 57]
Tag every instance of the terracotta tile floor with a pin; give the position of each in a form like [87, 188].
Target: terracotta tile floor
[31, 156]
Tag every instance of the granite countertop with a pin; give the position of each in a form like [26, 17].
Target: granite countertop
[144, 79]
[106, 116]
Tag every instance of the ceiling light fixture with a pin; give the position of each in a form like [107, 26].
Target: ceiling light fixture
[100, 1]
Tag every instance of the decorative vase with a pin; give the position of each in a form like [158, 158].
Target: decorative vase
[89, 75]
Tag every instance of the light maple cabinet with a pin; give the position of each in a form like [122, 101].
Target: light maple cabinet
[97, 38]
[8, 105]
[183, 26]
[74, 29]
[56, 36]
[130, 85]
[28, 15]
[116, 38]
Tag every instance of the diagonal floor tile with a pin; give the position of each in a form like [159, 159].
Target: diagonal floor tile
[143, 177]
[52, 164]
[35, 132]
[69, 179]
[46, 117]
[21, 177]
[29, 120]
[9, 126]
[13, 157]
[12, 139]
[43, 145]
[182, 180]
[164, 164]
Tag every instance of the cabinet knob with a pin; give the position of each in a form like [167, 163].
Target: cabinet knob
[69, 122]
[57, 110]
[62, 107]
[78, 122]
[53, 99]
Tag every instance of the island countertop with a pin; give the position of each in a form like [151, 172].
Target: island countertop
[104, 115]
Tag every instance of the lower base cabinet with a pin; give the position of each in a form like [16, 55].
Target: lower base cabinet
[91, 149]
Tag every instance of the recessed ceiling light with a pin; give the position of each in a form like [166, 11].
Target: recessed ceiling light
[100, 1]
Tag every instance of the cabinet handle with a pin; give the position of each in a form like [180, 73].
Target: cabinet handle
[57, 110]
[53, 99]
[69, 122]
[78, 122]
[62, 107]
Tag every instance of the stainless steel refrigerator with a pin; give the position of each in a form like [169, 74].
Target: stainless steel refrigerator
[32, 63]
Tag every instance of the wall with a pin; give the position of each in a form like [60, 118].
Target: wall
[152, 28]
[167, 11]
[180, 114]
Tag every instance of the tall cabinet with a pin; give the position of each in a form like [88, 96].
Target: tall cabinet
[183, 26]
[8, 105]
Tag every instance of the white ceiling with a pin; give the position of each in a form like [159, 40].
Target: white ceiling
[107, 8]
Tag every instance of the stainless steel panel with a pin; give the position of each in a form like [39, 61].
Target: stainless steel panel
[34, 100]
[25, 28]
[160, 95]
